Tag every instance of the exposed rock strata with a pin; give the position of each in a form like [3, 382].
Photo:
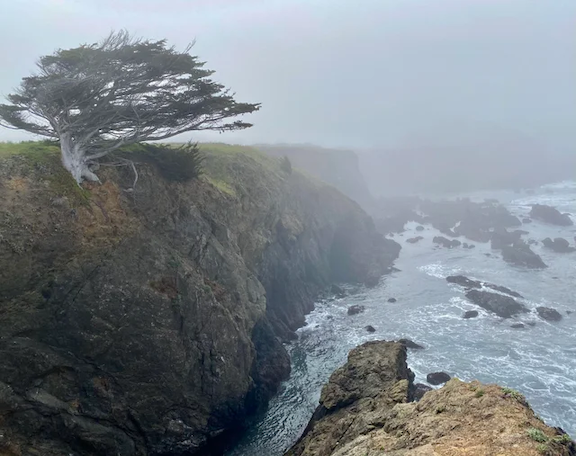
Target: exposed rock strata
[149, 322]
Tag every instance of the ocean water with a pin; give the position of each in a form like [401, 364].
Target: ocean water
[538, 361]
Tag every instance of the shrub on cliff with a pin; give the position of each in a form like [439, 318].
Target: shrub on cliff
[99, 97]
[286, 165]
[179, 164]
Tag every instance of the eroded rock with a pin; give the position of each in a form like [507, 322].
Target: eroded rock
[503, 306]
[549, 314]
[520, 254]
[550, 215]
[355, 309]
[437, 378]
[558, 245]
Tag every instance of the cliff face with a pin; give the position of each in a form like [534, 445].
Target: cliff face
[146, 321]
[365, 410]
[337, 167]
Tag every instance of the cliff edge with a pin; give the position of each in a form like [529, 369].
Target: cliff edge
[366, 410]
[147, 319]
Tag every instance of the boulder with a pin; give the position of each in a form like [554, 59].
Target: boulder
[558, 245]
[410, 344]
[444, 242]
[470, 314]
[503, 306]
[502, 289]
[419, 228]
[500, 238]
[526, 220]
[517, 326]
[420, 389]
[337, 291]
[414, 240]
[549, 314]
[520, 254]
[464, 281]
[370, 329]
[392, 300]
[437, 378]
[469, 283]
[550, 215]
[355, 309]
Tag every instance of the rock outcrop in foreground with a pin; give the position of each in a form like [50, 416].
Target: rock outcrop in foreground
[146, 321]
[365, 410]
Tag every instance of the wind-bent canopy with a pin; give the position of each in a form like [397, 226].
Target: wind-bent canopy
[98, 97]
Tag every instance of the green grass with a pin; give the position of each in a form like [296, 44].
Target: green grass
[480, 393]
[36, 151]
[226, 167]
[43, 158]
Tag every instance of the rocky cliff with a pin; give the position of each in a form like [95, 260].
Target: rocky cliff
[337, 167]
[366, 409]
[146, 319]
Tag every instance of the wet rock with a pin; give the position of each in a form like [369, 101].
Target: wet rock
[532, 242]
[517, 326]
[471, 246]
[520, 254]
[392, 300]
[470, 314]
[569, 312]
[355, 309]
[502, 289]
[503, 306]
[414, 240]
[420, 389]
[549, 314]
[500, 238]
[410, 344]
[558, 245]
[437, 378]
[465, 245]
[526, 220]
[464, 281]
[338, 291]
[531, 323]
[370, 329]
[469, 283]
[419, 228]
[444, 242]
[550, 215]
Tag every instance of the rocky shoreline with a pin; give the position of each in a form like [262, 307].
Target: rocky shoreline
[368, 408]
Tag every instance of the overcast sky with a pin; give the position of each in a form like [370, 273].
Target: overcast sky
[364, 73]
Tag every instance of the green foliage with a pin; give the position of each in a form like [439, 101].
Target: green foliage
[564, 438]
[537, 435]
[177, 164]
[512, 393]
[286, 165]
[479, 393]
[542, 448]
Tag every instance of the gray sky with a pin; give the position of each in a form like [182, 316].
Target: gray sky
[366, 73]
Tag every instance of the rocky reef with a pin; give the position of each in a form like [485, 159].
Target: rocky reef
[367, 409]
[147, 319]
